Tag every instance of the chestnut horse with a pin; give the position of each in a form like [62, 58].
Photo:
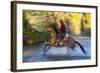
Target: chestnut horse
[59, 39]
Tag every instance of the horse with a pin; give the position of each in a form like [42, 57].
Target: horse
[59, 38]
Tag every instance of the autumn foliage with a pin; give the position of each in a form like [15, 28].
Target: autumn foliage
[35, 24]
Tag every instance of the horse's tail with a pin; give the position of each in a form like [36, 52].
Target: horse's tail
[82, 48]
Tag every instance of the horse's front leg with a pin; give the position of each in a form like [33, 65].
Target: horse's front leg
[46, 48]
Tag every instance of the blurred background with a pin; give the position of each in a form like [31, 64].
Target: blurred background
[35, 24]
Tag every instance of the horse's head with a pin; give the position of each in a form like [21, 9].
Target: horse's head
[49, 29]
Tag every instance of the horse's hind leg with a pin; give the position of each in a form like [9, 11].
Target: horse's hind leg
[81, 47]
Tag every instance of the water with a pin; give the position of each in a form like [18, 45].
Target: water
[35, 53]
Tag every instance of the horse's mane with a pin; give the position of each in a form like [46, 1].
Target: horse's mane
[54, 28]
